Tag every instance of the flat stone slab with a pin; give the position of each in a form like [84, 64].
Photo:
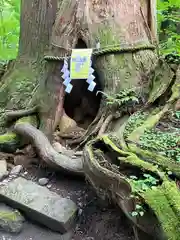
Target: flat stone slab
[39, 204]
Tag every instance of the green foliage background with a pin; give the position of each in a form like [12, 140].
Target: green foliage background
[168, 11]
[9, 29]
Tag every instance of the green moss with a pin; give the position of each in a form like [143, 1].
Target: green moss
[107, 141]
[158, 192]
[175, 91]
[10, 141]
[163, 162]
[29, 119]
[106, 37]
[173, 196]
[12, 216]
[8, 137]
[19, 86]
[162, 78]
[156, 199]
[133, 160]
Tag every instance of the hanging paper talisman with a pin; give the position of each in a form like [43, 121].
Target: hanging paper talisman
[80, 68]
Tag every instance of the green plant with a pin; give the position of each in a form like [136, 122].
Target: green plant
[144, 183]
[177, 114]
[165, 143]
[141, 185]
[138, 211]
[134, 121]
[124, 97]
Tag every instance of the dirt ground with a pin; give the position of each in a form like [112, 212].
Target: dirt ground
[97, 220]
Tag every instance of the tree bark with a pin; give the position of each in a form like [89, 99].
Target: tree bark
[21, 82]
[127, 67]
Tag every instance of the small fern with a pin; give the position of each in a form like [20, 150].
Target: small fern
[122, 98]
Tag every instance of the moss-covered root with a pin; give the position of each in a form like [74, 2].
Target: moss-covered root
[156, 199]
[163, 199]
[150, 122]
[10, 141]
[163, 163]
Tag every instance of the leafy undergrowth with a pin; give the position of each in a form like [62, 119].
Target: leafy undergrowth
[166, 143]
[9, 29]
[165, 140]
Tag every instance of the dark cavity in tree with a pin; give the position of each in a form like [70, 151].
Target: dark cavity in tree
[81, 104]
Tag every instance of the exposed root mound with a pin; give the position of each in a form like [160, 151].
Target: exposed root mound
[142, 190]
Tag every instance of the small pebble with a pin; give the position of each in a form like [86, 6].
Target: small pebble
[49, 185]
[80, 211]
[16, 170]
[43, 181]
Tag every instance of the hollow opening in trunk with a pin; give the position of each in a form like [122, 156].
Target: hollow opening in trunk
[81, 104]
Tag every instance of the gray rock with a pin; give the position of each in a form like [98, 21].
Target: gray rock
[10, 220]
[3, 169]
[40, 204]
[43, 181]
[16, 170]
[32, 231]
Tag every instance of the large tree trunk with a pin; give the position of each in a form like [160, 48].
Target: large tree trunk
[129, 77]
[114, 24]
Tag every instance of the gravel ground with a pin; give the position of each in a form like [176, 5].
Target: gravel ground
[97, 220]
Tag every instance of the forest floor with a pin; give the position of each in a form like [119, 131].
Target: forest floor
[97, 220]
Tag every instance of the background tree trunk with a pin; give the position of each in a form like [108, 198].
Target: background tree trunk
[21, 82]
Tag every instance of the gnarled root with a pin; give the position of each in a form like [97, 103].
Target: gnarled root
[110, 169]
[46, 152]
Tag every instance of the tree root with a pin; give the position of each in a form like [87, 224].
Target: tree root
[14, 115]
[105, 124]
[101, 156]
[47, 153]
[10, 141]
[110, 159]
